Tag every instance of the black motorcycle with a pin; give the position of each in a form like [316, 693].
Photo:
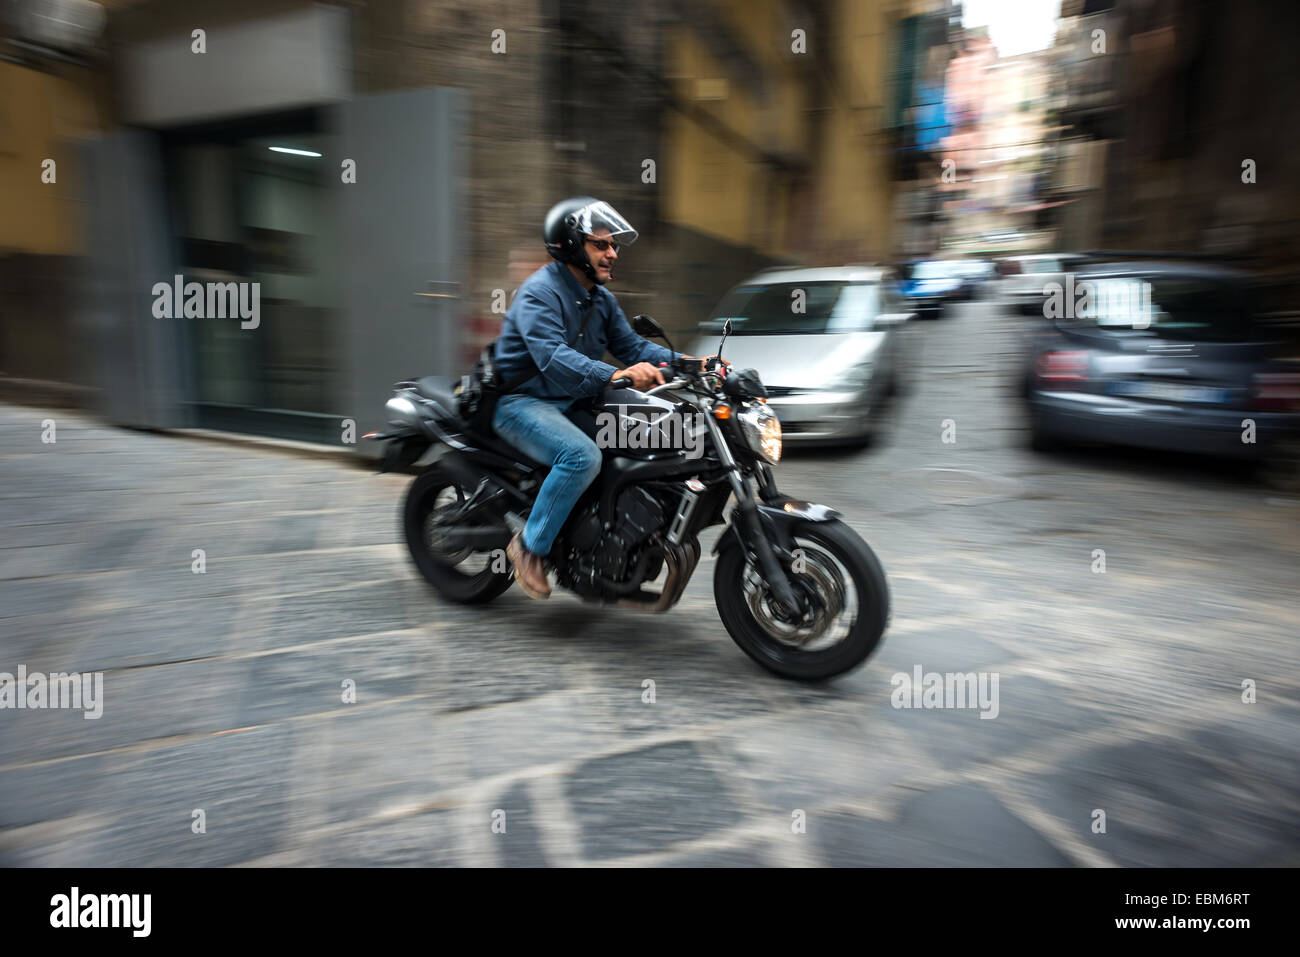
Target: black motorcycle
[798, 590]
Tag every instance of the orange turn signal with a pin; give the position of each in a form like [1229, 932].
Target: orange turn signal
[722, 412]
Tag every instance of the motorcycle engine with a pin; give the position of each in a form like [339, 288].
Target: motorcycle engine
[639, 516]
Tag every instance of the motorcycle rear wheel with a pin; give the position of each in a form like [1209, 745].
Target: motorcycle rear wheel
[463, 575]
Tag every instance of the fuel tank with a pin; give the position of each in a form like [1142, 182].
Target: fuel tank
[636, 425]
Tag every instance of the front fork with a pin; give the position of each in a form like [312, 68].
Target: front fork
[747, 524]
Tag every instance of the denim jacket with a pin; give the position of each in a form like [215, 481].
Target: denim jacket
[545, 315]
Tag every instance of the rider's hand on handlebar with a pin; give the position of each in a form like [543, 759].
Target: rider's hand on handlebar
[643, 375]
[703, 363]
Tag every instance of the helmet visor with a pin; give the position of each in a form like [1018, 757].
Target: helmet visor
[599, 216]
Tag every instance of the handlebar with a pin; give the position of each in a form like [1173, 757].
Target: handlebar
[623, 382]
[682, 366]
[674, 384]
[692, 366]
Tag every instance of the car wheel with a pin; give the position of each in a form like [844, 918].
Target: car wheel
[1281, 470]
[1040, 439]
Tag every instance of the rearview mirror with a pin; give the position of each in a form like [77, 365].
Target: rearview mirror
[645, 326]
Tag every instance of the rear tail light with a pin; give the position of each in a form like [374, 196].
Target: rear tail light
[1061, 368]
[1275, 392]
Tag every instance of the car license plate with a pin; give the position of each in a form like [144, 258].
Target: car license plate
[1170, 392]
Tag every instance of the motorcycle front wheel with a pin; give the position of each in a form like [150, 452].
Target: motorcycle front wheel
[847, 604]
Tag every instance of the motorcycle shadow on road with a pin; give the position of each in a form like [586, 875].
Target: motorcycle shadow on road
[574, 624]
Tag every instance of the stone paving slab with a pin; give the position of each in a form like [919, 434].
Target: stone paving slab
[519, 842]
[140, 706]
[46, 791]
[814, 758]
[1166, 807]
[388, 760]
[1030, 712]
[957, 826]
[648, 800]
[237, 780]
[429, 839]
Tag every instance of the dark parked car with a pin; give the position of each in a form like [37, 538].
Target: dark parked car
[926, 286]
[1167, 355]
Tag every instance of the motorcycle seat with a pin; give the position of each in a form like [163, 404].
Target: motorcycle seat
[440, 389]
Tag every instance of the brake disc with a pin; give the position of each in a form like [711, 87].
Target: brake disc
[820, 580]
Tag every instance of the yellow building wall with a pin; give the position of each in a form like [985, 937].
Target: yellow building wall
[40, 116]
[854, 189]
[717, 189]
[706, 181]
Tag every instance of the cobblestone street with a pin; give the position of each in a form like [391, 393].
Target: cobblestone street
[223, 691]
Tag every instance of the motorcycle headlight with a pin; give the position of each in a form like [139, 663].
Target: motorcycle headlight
[762, 431]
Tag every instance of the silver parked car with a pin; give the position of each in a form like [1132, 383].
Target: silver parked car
[828, 343]
[1023, 278]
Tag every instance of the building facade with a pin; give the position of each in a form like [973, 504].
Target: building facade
[379, 171]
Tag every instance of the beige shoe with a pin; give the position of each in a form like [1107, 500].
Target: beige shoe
[529, 571]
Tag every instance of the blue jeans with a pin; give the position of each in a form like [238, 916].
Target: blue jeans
[540, 429]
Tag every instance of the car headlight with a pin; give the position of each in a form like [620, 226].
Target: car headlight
[854, 379]
[762, 430]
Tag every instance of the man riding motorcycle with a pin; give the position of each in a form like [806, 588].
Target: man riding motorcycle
[561, 323]
[796, 588]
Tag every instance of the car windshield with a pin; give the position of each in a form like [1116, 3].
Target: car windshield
[795, 308]
[1192, 309]
[1041, 265]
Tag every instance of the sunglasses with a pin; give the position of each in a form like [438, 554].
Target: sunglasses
[603, 244]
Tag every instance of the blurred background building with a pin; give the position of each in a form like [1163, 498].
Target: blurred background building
[1158, 127]
[735, 135]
